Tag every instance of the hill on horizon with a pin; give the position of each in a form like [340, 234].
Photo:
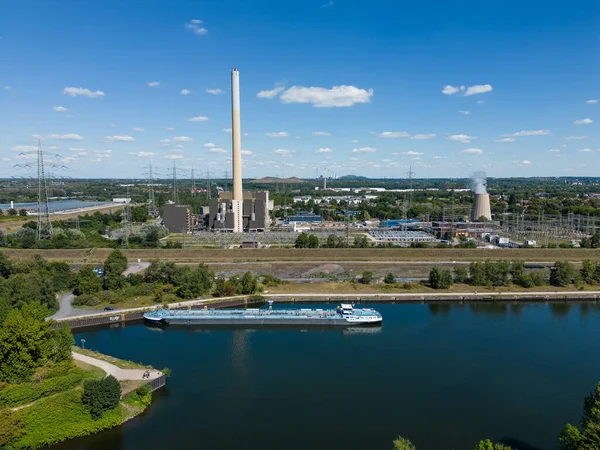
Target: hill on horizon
[269, 180]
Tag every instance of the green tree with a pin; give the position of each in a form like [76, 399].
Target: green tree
[461, 274]
[24, 288]
[3, 240]
[5, 266]
[101, 395]
[333, 241]
[115, 263]
[23, 212]
[440, 278]
[12, 212]
[562, 274]
[24, 342]
[389, 279]
[302, 241]
[588, 271]
[61, 342]
[220, 288]
[139, 214]
[62, 276]
[595, 240]
[401, 443]
[367, 277]
[313, 241]
[361, 242]
[248, 284]
[478, 274]
[488, 445]
[588, 438]
[87, 281]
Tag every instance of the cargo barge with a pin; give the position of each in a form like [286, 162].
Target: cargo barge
[344, 315]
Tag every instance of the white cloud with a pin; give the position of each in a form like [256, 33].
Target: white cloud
[68, 159]
[170, 128]
[154, 84]
[473, 151]
[508, 139]
[270, 94]
[586, 150]
[526, 162]
[24, 148]
[66, 137]
[572, 138]
[480, 102]
[7, 88]
[185, 92]
[120, 138]
[354, 141]
[183, 139]
[142, 154]
[76, 149]
[52, 147]
[179, 146]
[591, 102]
[173, 156]
[364, 150]
[478, 89]
[227, 130]
[409, 153]
[528, 133]
[437, 157]
[215, 91]
[217, 150]
[450, 90]
[321, 133]
[421, 137]
[462, 111]
[209, 145]
[73, 91]
[138, 129]
[246, 153]
[585, 121]
[59, 109]
[393, 134]
[195, 25]
[554, 150]
[102, 154]
[324, 150]
[462, 138]
[284, 152]
[328, 4]
[337, 96]
[198, 119]
[165, 141]
[277, 134]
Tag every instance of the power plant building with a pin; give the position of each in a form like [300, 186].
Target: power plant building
[177, 218]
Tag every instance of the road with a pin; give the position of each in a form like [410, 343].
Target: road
[117, 372]
[136, 267]
[66, 309]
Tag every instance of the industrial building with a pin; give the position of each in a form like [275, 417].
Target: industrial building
[253, 215]
[177, 218]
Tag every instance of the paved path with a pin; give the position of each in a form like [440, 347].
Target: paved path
[136, 267]
[66, 309]
[117, 372]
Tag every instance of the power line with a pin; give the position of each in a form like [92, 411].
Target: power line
[44, 226]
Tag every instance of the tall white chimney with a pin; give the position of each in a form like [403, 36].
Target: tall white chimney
[236, 135]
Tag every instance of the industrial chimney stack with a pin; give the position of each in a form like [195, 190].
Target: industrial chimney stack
[236, 144]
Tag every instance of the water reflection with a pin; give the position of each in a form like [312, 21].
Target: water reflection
[559, 310]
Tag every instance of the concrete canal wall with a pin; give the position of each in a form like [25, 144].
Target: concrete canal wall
[136, 314]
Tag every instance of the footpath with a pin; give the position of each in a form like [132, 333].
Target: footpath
[117, 372]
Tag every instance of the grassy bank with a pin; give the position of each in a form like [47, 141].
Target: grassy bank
[122, 363]
[96, 256]
[49, 409]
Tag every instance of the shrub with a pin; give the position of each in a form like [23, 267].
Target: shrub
[389, 279]
[10, 426]
[256, 299]
[461, 274]
[367, 277]
[440, 278]
[101, 395]
[86, 300]
[143, 390]
[270, 280]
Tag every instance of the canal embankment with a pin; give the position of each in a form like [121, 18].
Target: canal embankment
[136, 314]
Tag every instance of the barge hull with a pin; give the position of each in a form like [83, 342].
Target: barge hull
[260, 321]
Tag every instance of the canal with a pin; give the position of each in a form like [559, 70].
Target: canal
[442, 375]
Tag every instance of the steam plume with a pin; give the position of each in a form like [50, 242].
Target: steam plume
[479, 182]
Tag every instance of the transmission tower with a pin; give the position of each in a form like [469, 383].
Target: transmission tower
[410, 174]
[126, 220]
[44, 226]
[174, 183]
[207, 185]
[193, 183]
[152, 209]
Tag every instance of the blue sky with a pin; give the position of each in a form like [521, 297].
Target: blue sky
[357, 87]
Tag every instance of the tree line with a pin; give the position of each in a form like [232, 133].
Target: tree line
[504, 273]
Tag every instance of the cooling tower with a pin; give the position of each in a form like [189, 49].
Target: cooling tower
[481, 207]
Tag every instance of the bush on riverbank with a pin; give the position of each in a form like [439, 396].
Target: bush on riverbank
[101, 395]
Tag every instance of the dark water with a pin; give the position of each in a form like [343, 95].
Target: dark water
[444, 376]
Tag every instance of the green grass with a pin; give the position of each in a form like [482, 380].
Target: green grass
[62, 417]
[122, 363]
